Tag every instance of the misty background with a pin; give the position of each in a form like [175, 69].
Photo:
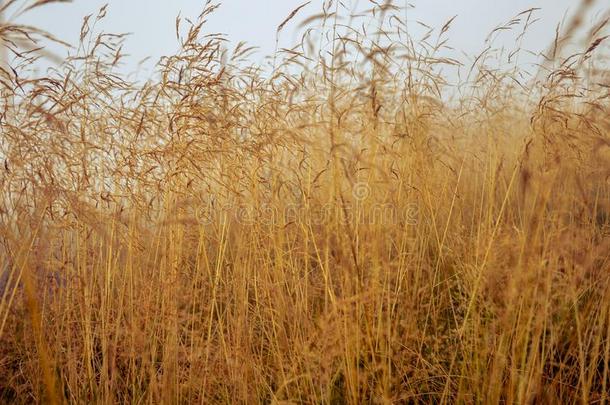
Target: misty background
[151, 24]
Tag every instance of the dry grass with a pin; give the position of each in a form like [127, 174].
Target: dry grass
[349, 228]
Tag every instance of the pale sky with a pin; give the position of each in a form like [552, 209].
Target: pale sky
[152, 22]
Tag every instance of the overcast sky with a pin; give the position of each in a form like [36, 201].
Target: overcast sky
[152, 22]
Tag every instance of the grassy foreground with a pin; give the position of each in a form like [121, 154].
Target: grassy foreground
[354, 226]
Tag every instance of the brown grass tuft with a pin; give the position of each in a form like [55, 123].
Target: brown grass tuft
[359, 225]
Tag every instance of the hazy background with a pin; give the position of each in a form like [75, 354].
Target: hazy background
[152, 22]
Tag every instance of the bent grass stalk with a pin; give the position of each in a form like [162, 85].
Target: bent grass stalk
[370, 219]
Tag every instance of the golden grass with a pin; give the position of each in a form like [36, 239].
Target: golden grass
[349, 228]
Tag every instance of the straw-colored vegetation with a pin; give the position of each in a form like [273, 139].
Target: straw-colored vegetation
[358, 225]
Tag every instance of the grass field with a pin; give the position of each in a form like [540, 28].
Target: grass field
[356, 225]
